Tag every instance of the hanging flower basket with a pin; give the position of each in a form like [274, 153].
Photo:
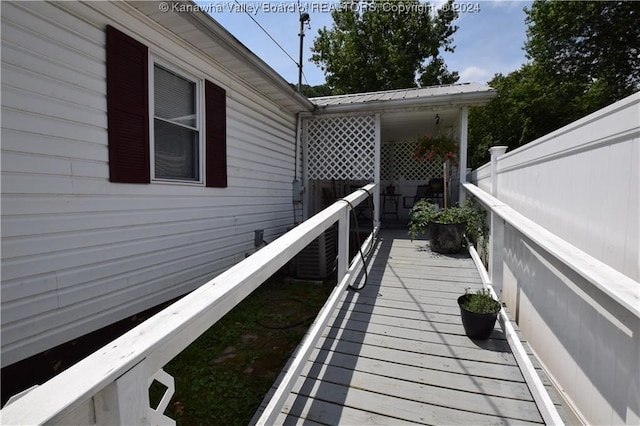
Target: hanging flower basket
[440, 147]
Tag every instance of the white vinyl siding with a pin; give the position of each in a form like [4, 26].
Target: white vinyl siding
[79, 252]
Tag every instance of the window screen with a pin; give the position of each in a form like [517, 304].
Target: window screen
[176, 136]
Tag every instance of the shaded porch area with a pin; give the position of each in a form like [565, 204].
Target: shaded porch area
[395, 352]
[352, 140]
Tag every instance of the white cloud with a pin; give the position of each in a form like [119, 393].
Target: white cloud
[475, 74]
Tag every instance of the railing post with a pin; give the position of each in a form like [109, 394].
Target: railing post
[376, 207]
[464, 124]
[496, 254]
[376, 175]
[126, 400]
[343, 242]
[496, 151]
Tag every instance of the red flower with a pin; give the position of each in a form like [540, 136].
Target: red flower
[439, 147]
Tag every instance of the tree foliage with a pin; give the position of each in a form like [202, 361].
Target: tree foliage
[595, 43]
[523, 110]
[583, 56]
[313, 91]
[316, 91]
[380, 45]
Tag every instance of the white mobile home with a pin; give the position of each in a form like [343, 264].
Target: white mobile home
[100, 218]
[103, 218]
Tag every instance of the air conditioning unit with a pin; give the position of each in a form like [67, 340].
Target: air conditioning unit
[318, 260]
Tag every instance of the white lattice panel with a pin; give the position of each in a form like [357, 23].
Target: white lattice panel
[342, 147]
[398, 163]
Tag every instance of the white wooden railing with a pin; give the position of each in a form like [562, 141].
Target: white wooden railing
[111, 386]
[580, 316]
[566, 255]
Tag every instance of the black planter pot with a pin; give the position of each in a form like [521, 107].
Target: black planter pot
[477, 326]
[446, 237]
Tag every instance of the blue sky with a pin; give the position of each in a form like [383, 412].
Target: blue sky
[489, 39]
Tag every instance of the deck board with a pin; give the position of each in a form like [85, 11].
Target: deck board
[447, 364]
[421, 392]
[403, 368]
[375, 336]
[376, 403]
[395, 352]
[450, 333]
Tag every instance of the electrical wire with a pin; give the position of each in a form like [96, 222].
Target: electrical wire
[274, 40]
[305, 78]
[269, 35]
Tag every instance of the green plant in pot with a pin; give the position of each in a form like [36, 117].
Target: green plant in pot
[479, 312]
[446, 226]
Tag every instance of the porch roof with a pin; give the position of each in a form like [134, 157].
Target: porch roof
[450, 95]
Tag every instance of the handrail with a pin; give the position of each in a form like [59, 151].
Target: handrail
[304, 350]
[144, 350]
[548, 411]
[616, 285]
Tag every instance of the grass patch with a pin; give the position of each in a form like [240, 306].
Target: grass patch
[222, 377]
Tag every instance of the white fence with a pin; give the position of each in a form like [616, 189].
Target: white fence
[564, 251]
[111, 386]
[581, 182]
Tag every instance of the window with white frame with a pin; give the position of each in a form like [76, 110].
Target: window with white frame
[156, 117]
[176, 133]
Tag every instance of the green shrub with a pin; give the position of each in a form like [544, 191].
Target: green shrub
[481, 302]
[425, 211]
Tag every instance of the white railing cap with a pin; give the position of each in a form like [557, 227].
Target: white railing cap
[624, 290]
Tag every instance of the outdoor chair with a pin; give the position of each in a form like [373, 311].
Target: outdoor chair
[433, 191]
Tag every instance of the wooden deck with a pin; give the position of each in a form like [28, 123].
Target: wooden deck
[396, 353]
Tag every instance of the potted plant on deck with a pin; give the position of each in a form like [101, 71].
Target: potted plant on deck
[479, 312]
[446, 227]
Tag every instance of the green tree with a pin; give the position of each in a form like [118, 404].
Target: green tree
[523, 110]
[313, 91]
[595, 44]
[584, 56]
[316, 91]
[380, 45]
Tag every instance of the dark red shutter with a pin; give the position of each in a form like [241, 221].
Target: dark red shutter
[216, 128]
[127, 108]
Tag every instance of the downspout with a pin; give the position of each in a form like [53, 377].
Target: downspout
[295, 157]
